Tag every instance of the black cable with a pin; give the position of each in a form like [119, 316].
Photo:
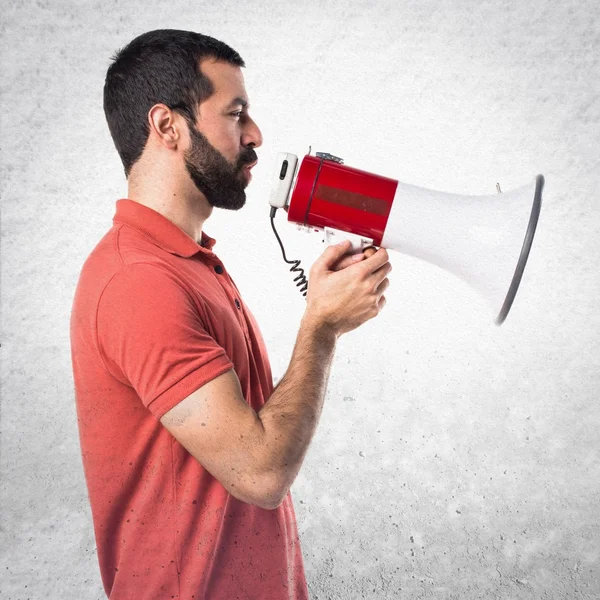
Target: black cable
[300, 280]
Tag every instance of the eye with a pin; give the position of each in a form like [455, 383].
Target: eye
[237, 113]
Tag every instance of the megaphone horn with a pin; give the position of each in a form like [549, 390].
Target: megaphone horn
[484, 240]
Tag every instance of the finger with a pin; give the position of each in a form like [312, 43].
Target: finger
[383, 286]
[331, 255]
[369, 251]
[375, 261]
[379, 275]
[382, 302]
[347, 260]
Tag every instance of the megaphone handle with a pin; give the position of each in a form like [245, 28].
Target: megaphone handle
[333, 236]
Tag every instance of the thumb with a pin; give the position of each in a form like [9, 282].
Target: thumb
[332, 254]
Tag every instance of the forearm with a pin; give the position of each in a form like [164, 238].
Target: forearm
[292, 413]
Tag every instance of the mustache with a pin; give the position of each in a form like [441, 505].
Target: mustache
[246, 157]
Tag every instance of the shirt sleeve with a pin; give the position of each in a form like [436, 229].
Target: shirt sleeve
[151, 336]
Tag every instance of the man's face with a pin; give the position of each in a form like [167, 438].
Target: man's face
[221, 145]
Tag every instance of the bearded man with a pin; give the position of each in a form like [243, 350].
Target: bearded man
[188, 450]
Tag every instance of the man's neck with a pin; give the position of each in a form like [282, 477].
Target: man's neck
[176, 199]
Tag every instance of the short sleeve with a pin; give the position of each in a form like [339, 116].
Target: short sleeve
[151, 336]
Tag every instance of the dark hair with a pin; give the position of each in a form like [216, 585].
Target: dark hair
[157, 66]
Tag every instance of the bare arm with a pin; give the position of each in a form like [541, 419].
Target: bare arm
[256, 457]
[291, 414]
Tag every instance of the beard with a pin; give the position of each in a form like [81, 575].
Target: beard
[222, 183]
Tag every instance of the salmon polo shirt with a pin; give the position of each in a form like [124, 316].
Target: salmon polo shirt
[155, 316]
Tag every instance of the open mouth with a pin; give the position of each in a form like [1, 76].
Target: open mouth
[247, 173]
[246, 170]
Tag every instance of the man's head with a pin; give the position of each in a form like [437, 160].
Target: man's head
[183, 93]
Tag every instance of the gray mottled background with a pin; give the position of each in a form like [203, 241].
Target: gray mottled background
[454, 459]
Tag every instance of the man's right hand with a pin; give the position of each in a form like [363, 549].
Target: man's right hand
[344, 300]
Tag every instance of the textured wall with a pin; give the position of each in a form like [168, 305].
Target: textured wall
[454, 459]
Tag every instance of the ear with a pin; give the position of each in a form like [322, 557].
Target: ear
[166, 126]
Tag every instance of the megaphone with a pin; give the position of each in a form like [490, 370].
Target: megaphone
[484, 240]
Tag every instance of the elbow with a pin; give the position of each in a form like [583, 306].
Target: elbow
[271, 503]
[272, 494]
[274, 502]
[266, 491]
[267, 505]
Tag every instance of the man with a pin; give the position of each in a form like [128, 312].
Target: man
[188, 451]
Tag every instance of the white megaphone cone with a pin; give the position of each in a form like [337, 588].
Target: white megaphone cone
[484, 240]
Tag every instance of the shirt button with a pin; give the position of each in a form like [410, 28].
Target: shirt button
[237, 303]
[219, 269]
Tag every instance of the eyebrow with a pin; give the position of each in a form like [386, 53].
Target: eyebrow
[238, 100]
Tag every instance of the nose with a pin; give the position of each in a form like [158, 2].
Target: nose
[252, 134]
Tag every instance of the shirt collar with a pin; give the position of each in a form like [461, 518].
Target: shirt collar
[159, 229]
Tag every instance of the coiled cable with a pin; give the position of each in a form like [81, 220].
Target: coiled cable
[301, 281]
